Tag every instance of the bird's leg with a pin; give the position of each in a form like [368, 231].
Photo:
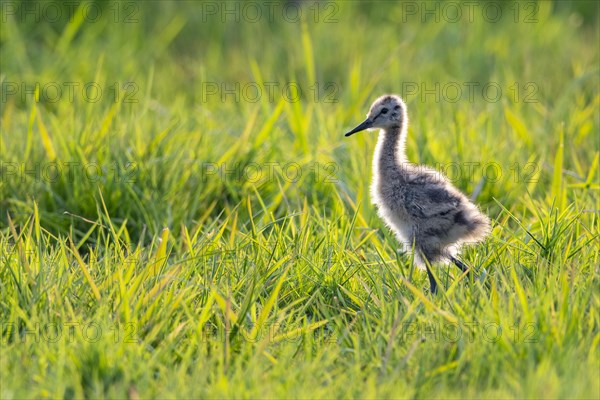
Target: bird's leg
[432, 282]
[463, 267]
[480, 277]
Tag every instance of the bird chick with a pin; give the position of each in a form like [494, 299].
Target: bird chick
[419, 204]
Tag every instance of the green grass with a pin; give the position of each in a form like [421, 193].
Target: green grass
[140, 270]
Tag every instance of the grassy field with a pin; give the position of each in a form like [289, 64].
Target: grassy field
[181, 215]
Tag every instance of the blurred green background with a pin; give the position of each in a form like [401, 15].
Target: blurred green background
[174, 85]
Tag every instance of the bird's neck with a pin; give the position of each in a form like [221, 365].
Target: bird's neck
[390, 153]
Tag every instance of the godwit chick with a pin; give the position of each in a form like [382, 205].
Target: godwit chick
[419, 204]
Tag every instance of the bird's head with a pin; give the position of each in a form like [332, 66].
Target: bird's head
[386, 112]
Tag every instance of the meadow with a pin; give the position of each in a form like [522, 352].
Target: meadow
[181, 216]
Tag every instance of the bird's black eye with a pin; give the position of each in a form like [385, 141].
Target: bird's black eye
[384, 111]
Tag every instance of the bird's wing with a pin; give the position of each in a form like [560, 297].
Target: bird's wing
[431, 195]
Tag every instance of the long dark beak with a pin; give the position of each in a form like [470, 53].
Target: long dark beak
[366, 124]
